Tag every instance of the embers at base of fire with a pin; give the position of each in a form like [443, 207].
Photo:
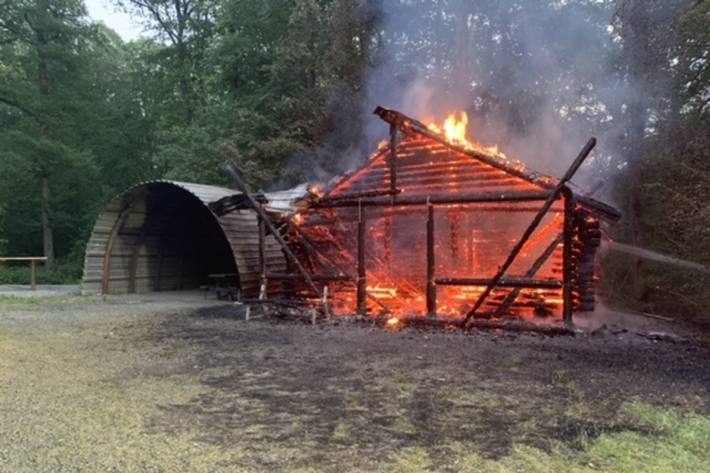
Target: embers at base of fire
[316, 316]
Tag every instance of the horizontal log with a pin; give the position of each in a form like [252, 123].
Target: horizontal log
[441, 200]
[314, 277]
[504, 282]
[514, 326]
[510, 325]
[362, 195]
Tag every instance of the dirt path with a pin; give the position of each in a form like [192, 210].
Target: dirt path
[88, 385]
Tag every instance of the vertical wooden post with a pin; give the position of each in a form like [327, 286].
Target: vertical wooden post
[262, 259]
[33, 275]
[361, 274]
[393, 162]
[568, 235]
[430, 263]
[326, 308]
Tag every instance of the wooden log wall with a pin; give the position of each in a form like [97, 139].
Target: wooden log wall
[585, 245]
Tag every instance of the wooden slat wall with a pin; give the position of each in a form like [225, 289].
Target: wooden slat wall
[425, 167]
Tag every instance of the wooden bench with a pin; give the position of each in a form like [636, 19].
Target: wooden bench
[33, 266]
[224, 285]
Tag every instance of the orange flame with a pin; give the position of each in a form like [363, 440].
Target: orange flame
[316, 190]
[455, 129]
[392, 322]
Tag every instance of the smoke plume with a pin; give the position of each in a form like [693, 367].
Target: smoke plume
[537, 78]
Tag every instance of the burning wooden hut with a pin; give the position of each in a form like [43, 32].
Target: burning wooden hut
[436, 224]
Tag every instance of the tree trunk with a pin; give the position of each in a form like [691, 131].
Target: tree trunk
[47, 233]
[43, 85]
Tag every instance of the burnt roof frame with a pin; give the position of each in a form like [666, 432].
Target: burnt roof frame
[410, 126]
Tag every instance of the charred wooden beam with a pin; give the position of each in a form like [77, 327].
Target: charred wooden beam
[511, 326]
[409, 125]
[387, 211]
[503, 282]
[531, 228]
[314, 277]
[311, 249]
[393, 161]
[568, 236]
[260, 212]
[510, 298]
[430, 263]
[363, 195]
[528, 196]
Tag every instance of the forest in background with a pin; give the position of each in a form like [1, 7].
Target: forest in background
[284, 89]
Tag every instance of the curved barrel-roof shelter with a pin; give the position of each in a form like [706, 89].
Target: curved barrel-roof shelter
[169, 235]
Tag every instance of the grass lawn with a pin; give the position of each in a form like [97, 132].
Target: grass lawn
[162, 386]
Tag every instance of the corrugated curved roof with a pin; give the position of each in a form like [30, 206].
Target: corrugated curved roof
[239, 227]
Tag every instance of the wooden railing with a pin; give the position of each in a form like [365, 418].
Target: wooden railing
[33, 265]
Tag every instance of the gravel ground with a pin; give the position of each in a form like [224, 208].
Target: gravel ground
[43, 290]
[177, 383]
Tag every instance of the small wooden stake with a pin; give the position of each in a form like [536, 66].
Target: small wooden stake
[326, 310]
[262, 258]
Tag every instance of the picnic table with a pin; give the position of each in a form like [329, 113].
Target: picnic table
[224, 285]
[33, 263]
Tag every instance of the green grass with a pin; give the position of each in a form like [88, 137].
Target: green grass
[105, 394]
[656, 440]
[50, 303]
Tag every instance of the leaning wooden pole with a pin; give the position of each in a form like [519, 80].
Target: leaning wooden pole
[531, 228]
[510, 298]
[361, 273]
[430, 263]
[568, 235]
[229, 169]
[263, 282]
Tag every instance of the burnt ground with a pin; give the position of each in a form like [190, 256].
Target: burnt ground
[92, 385]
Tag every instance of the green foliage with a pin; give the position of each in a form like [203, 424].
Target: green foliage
[278, 88]
[21, 275]
[664, 189]
[668, 213]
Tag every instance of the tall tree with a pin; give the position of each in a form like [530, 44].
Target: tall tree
[40, 39]
[186, 25]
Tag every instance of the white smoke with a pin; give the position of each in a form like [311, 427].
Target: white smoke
[537, 77]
